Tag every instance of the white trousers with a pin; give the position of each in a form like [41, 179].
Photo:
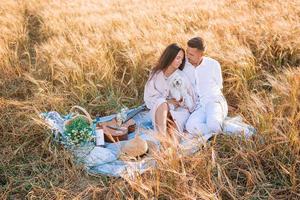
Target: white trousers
[208, 117]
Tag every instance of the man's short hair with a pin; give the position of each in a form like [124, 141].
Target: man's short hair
[196, 42]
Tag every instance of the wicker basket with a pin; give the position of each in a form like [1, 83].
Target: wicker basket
[75, 115]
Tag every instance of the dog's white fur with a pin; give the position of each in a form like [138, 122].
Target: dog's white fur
[179, 90]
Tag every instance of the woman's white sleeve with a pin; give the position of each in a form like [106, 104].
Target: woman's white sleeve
[152, 96]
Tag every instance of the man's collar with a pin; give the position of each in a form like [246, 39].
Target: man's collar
[200, 62]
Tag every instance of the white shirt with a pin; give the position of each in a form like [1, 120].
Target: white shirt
[206, 79]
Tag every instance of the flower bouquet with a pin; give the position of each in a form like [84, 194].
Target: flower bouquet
[78, 131]
[121, 116]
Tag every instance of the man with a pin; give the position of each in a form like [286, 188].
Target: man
[206, 76]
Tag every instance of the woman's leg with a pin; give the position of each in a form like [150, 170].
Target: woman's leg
[165, 126]
[172, 129]
[161, 117]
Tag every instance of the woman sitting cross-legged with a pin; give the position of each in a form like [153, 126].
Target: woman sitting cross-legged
[168, 93]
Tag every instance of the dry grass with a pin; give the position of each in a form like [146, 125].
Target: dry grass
[97, 54]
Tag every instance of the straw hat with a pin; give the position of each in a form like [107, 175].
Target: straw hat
[152, 147]
[137, 147]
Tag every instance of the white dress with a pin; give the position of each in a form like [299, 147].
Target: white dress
[157, 91]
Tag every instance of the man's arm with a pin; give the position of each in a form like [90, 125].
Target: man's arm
[218, 75]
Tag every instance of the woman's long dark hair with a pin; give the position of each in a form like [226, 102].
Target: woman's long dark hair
[167, 58]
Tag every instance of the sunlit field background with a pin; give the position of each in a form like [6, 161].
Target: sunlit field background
[98, 54]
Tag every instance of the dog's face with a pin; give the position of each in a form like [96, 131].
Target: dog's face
[177, 82]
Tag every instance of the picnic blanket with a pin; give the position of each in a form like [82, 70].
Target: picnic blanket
[105, 160]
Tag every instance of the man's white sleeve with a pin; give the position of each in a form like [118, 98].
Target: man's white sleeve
[218, 75]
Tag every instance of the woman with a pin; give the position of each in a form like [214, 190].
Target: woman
[161, 87]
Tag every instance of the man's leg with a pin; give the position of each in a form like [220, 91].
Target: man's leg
[215, 115]
[196, 123]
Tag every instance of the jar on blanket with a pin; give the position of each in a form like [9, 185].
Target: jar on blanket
[99, 136]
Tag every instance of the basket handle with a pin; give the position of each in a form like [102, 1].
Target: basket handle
[88, 116]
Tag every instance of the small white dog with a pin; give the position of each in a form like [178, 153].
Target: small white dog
[179, 90]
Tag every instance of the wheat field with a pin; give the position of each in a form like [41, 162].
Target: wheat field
[97, 54]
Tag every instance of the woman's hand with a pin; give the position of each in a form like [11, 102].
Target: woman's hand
[175, 102]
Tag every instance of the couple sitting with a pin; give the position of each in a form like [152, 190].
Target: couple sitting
[186, 94]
